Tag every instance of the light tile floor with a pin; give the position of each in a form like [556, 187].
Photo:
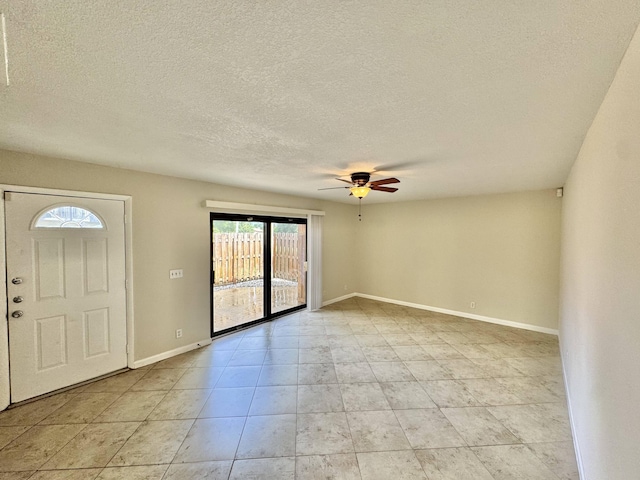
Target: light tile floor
[358, 390]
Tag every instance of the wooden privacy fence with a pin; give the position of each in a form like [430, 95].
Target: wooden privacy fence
[237, 257]
[288, 259]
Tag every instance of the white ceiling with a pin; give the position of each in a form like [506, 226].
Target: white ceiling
[453, 98]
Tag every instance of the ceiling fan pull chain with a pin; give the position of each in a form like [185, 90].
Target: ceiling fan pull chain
[360, 209]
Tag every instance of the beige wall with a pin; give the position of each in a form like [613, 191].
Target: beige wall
[338, 250]
[600, 313]
[500, 251]
[171, 230]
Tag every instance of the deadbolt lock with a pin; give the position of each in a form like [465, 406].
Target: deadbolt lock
[16, 281]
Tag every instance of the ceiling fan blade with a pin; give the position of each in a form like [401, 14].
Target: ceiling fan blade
[401, 165]
[343, 180]
[383, 189]
[331, 188]
[384, 181]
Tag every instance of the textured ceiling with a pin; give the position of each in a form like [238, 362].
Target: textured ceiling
[453, 98]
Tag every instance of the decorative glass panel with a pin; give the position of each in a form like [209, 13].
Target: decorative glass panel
[68, 217]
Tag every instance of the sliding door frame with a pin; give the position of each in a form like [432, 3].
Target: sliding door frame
[267, 264]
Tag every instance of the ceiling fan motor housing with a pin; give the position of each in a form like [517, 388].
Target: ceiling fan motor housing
[360, 178]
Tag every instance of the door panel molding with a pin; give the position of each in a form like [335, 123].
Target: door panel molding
[51, 354]
[128, 237]
[49, 251]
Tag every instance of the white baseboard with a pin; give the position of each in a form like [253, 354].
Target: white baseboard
[171, 353]
[572, 423]
[339, 299]
[472, 316]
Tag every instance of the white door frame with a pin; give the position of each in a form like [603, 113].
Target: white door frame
[128, 249]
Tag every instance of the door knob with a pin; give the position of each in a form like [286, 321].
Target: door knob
[17, 314]
[16, 281]
[18, 299]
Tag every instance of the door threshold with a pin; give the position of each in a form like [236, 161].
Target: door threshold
[245, 326]
[66, 389]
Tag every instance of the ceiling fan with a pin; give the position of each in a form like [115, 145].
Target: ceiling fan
[360, 184]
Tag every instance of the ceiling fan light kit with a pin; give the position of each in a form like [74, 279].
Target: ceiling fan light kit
[360, 192]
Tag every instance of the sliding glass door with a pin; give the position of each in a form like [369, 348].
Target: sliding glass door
[258, 269]
[288, 266]
[237, 272]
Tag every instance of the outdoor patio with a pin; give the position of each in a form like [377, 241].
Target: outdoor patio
[242, 302]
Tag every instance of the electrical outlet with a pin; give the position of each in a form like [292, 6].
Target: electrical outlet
[175, 274]
[473, 305]
[179, 333]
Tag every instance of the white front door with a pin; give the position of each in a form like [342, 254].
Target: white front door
[66, 290]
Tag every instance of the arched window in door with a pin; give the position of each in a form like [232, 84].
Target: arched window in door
[68, 216]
